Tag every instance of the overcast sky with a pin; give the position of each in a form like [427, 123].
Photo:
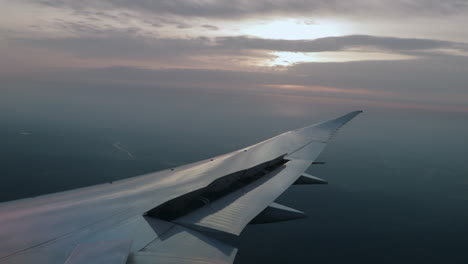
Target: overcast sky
[413, 52]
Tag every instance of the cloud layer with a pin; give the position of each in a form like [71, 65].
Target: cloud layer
[240, 8]
[409, 50]
[137, 47]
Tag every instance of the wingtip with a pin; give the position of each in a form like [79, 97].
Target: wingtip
[347, 117]
[357, 112]
[350, 115]
[328, 128]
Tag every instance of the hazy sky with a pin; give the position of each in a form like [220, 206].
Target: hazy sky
[412, 53]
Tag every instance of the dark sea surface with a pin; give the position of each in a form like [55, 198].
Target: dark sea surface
[398, 178]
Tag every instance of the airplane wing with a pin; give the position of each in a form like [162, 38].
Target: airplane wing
[166, 216]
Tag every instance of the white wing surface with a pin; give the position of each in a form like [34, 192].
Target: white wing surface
[166, 216]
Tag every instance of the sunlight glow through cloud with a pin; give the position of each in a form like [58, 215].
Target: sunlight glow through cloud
[325, 89]
[293, 29]
[283, 58]
[289, 58]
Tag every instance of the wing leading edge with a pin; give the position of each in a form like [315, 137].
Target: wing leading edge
[134, 219]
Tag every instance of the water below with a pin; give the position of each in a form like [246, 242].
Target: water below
[398, 178]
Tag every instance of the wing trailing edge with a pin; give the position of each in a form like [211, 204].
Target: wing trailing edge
[277, 213]
[309, 179]
[180, 245]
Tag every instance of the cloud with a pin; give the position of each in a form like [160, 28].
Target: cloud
[184, 26]
[431, 80]
[239, 8]
[429, 75]
[210, 27]
[361, 42]
[196, 37]
[88, 27]
[131, 44]
[122, 45]
[125, 47]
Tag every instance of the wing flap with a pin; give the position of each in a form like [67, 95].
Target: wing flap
[234, 211]
[182, 245]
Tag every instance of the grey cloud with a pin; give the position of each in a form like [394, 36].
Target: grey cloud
[183, 26]
[120, 16]
[448, 74]
[193, 8]
[363, 42]
[122, 46]
[240, 8]
[90, 16]
[210, 27]
[411, 80]
[87, 27]
[130, 44]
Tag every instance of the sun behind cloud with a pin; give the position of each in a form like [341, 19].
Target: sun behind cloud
[289, 58]
[294, 29]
